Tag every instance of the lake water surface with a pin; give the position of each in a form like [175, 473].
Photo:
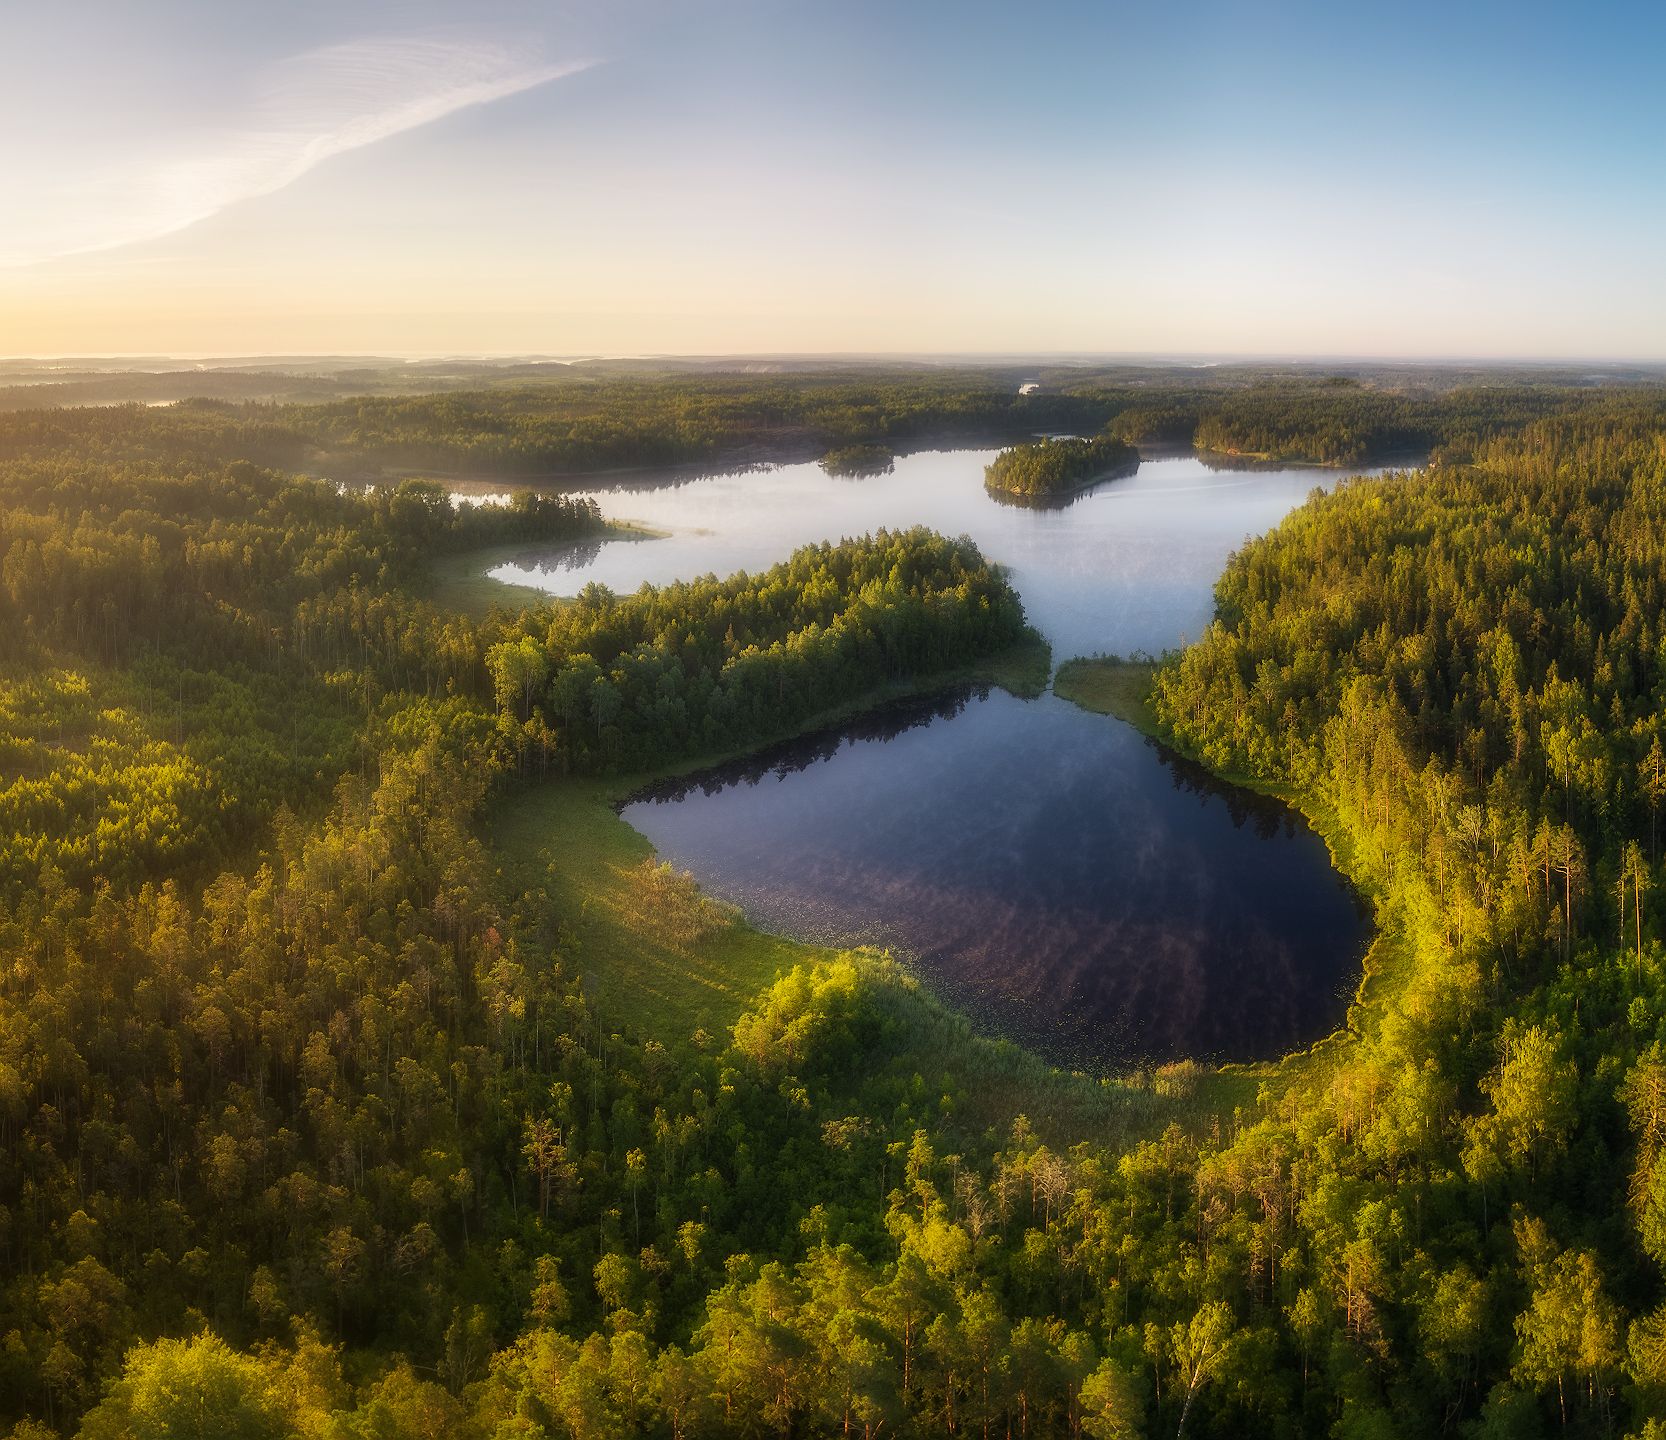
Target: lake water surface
[1070, 883]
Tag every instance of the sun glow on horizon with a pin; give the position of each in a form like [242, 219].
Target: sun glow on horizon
[748, 177]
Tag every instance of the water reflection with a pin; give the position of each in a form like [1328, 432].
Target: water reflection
[1062, 501]
[882, 722]
[1072, 884]
[1129, 565]
[547, 562]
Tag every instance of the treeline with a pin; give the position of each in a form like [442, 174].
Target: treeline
[1500, 621]
[113, 541]
[530, 422]
[1057, 467]
[1345, 423]
[581, 428]
[1342, 424]
[621, 423]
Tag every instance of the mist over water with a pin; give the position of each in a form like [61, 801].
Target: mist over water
[1070, 883]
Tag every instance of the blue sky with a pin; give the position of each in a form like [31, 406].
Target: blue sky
[764, 175]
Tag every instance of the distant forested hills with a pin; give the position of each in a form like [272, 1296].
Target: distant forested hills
[549, 421]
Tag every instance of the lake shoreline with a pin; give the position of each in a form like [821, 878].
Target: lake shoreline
[1264, 460]
[463, 582]
[761, 456]
[1178, 500]
[1121, 689]
[1060, 498]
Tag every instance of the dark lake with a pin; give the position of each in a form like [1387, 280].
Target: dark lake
[1070, 883]
[1067, 881]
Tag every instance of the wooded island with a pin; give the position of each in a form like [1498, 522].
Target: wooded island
[1055, 468]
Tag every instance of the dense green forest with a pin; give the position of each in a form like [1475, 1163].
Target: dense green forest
[1052, 468]
[706, 665]
[311, 1127]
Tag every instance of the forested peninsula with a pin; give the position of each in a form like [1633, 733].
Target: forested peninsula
[314, 1123]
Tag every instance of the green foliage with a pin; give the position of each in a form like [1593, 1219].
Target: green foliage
[1344, 422]
[858, 461]
[191, 1390]
[1463, 666]
[1059, 467]
[590, 423]
[313, 1125]
[702, 666]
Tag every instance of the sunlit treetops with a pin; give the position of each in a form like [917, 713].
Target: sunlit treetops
[312, 1125]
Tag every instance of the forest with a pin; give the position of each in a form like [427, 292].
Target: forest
[1059, 466]
[312, 1127]
[858, 461]
[566, 422]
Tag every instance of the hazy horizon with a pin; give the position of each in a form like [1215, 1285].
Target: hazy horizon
[1200, 360]
[753, 178]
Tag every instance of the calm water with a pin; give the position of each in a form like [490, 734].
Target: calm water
[1069, 882]
[1128, 566]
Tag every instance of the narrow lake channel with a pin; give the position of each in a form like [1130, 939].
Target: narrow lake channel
[1071, 884]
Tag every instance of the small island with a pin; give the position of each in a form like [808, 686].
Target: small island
[858, 461]
[1054, 469]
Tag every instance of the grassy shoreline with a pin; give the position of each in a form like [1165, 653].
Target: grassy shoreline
[662, 959]
[1118, 688]
[586, 807]
[1416, 458]
[665, 960]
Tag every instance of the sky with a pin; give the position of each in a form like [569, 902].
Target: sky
[575, 177]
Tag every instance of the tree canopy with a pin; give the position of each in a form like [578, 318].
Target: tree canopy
[312, 1128]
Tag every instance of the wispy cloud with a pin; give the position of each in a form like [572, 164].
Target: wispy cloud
[305, 110]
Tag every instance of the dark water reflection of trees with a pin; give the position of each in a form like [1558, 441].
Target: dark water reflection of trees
[1070, 883]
